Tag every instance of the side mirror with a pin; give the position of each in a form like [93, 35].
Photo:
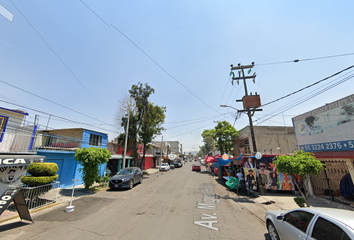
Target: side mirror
[280, 217]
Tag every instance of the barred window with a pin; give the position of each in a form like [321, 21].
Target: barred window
[95, 140]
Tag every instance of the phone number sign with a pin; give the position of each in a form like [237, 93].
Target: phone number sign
[329, 146]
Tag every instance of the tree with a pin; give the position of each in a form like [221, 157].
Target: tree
[208, 142]
[151, 125]
[224, 135]
[90, 158]
[299, 166]
[139, 95]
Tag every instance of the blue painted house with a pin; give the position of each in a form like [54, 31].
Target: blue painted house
[59, 146]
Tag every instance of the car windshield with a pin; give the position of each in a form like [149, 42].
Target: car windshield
[125, 171]
[164, 164]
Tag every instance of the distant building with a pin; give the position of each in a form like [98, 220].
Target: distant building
[176, 147]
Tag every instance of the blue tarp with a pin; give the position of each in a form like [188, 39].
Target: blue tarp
[222, 162]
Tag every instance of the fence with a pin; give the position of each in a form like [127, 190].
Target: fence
[39, 196]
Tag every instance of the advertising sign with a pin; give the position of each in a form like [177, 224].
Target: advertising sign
[327, 128]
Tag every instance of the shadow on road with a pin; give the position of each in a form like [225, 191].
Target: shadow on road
[11, 226]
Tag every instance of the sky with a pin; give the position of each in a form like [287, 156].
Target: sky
[71, 62]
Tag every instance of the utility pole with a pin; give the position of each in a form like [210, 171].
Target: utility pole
[161, 152]
[126, 141]
[250, 105]
[250, 102]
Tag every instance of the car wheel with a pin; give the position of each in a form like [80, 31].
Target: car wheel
[272, 231]
[131, 184]
[141, 180]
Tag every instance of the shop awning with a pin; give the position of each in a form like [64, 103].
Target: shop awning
[19, 160]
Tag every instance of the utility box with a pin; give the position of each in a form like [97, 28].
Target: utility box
[251, 101]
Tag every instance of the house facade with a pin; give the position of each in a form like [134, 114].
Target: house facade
[328, 132]
[59, 146]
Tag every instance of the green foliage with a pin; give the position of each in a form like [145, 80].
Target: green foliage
[300, 201]
[208, 141]
[42, 169]
[224, 135]
[33, 181]
[299, 166]
[41, 174]
[90, 159]
[301, 163]
[151, 125]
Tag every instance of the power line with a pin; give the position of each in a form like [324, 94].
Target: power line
[335, 74]
[72, 121]
[305, 59]
[72, 73]
[53, 102]
[312, 96]
[147, 55]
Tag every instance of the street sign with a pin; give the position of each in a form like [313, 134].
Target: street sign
[172, 156]
[225, 157]
[258, 155]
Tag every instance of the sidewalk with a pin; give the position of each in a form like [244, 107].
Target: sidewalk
[258, 205]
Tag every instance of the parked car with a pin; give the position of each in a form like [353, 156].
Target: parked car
[310, 223]
[177, 164]
[202, 162]
[126, 178]
[164, 167]
[196, 167]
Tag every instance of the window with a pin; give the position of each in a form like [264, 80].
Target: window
[324, 230]
[299, 219]
[3, 123]
[95, 140]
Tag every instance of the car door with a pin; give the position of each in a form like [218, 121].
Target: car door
[136, 175]
[295, 225]
[328, 229]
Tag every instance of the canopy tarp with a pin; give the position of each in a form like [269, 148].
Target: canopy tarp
[222, 162]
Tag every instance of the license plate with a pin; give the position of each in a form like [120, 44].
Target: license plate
[115, 185]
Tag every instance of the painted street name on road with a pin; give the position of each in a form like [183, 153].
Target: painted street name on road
[208, 203]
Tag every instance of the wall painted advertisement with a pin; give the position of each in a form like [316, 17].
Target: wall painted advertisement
[327, 128]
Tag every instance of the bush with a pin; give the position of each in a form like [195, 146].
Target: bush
[33, 181]
[42, 169]
[300, 201]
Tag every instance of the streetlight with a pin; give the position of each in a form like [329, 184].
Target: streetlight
[228, 106]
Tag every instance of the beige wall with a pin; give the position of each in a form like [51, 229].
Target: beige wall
[268, 139]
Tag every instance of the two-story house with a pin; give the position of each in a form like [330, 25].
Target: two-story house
[59, 146]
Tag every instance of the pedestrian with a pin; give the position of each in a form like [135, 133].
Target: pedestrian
[250, 179]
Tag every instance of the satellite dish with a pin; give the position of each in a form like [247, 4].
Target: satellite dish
[172, 156]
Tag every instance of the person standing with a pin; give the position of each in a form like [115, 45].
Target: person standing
[250, 179]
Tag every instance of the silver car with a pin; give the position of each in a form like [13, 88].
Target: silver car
[310, 223]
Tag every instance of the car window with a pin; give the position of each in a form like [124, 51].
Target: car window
[136, 171]
[125, 171]
[325, 229]
[299, 219]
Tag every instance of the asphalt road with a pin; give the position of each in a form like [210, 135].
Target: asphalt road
[179, 204]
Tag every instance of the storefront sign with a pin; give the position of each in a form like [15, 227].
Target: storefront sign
[15, 195]
[11, 160]
[328, 128]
